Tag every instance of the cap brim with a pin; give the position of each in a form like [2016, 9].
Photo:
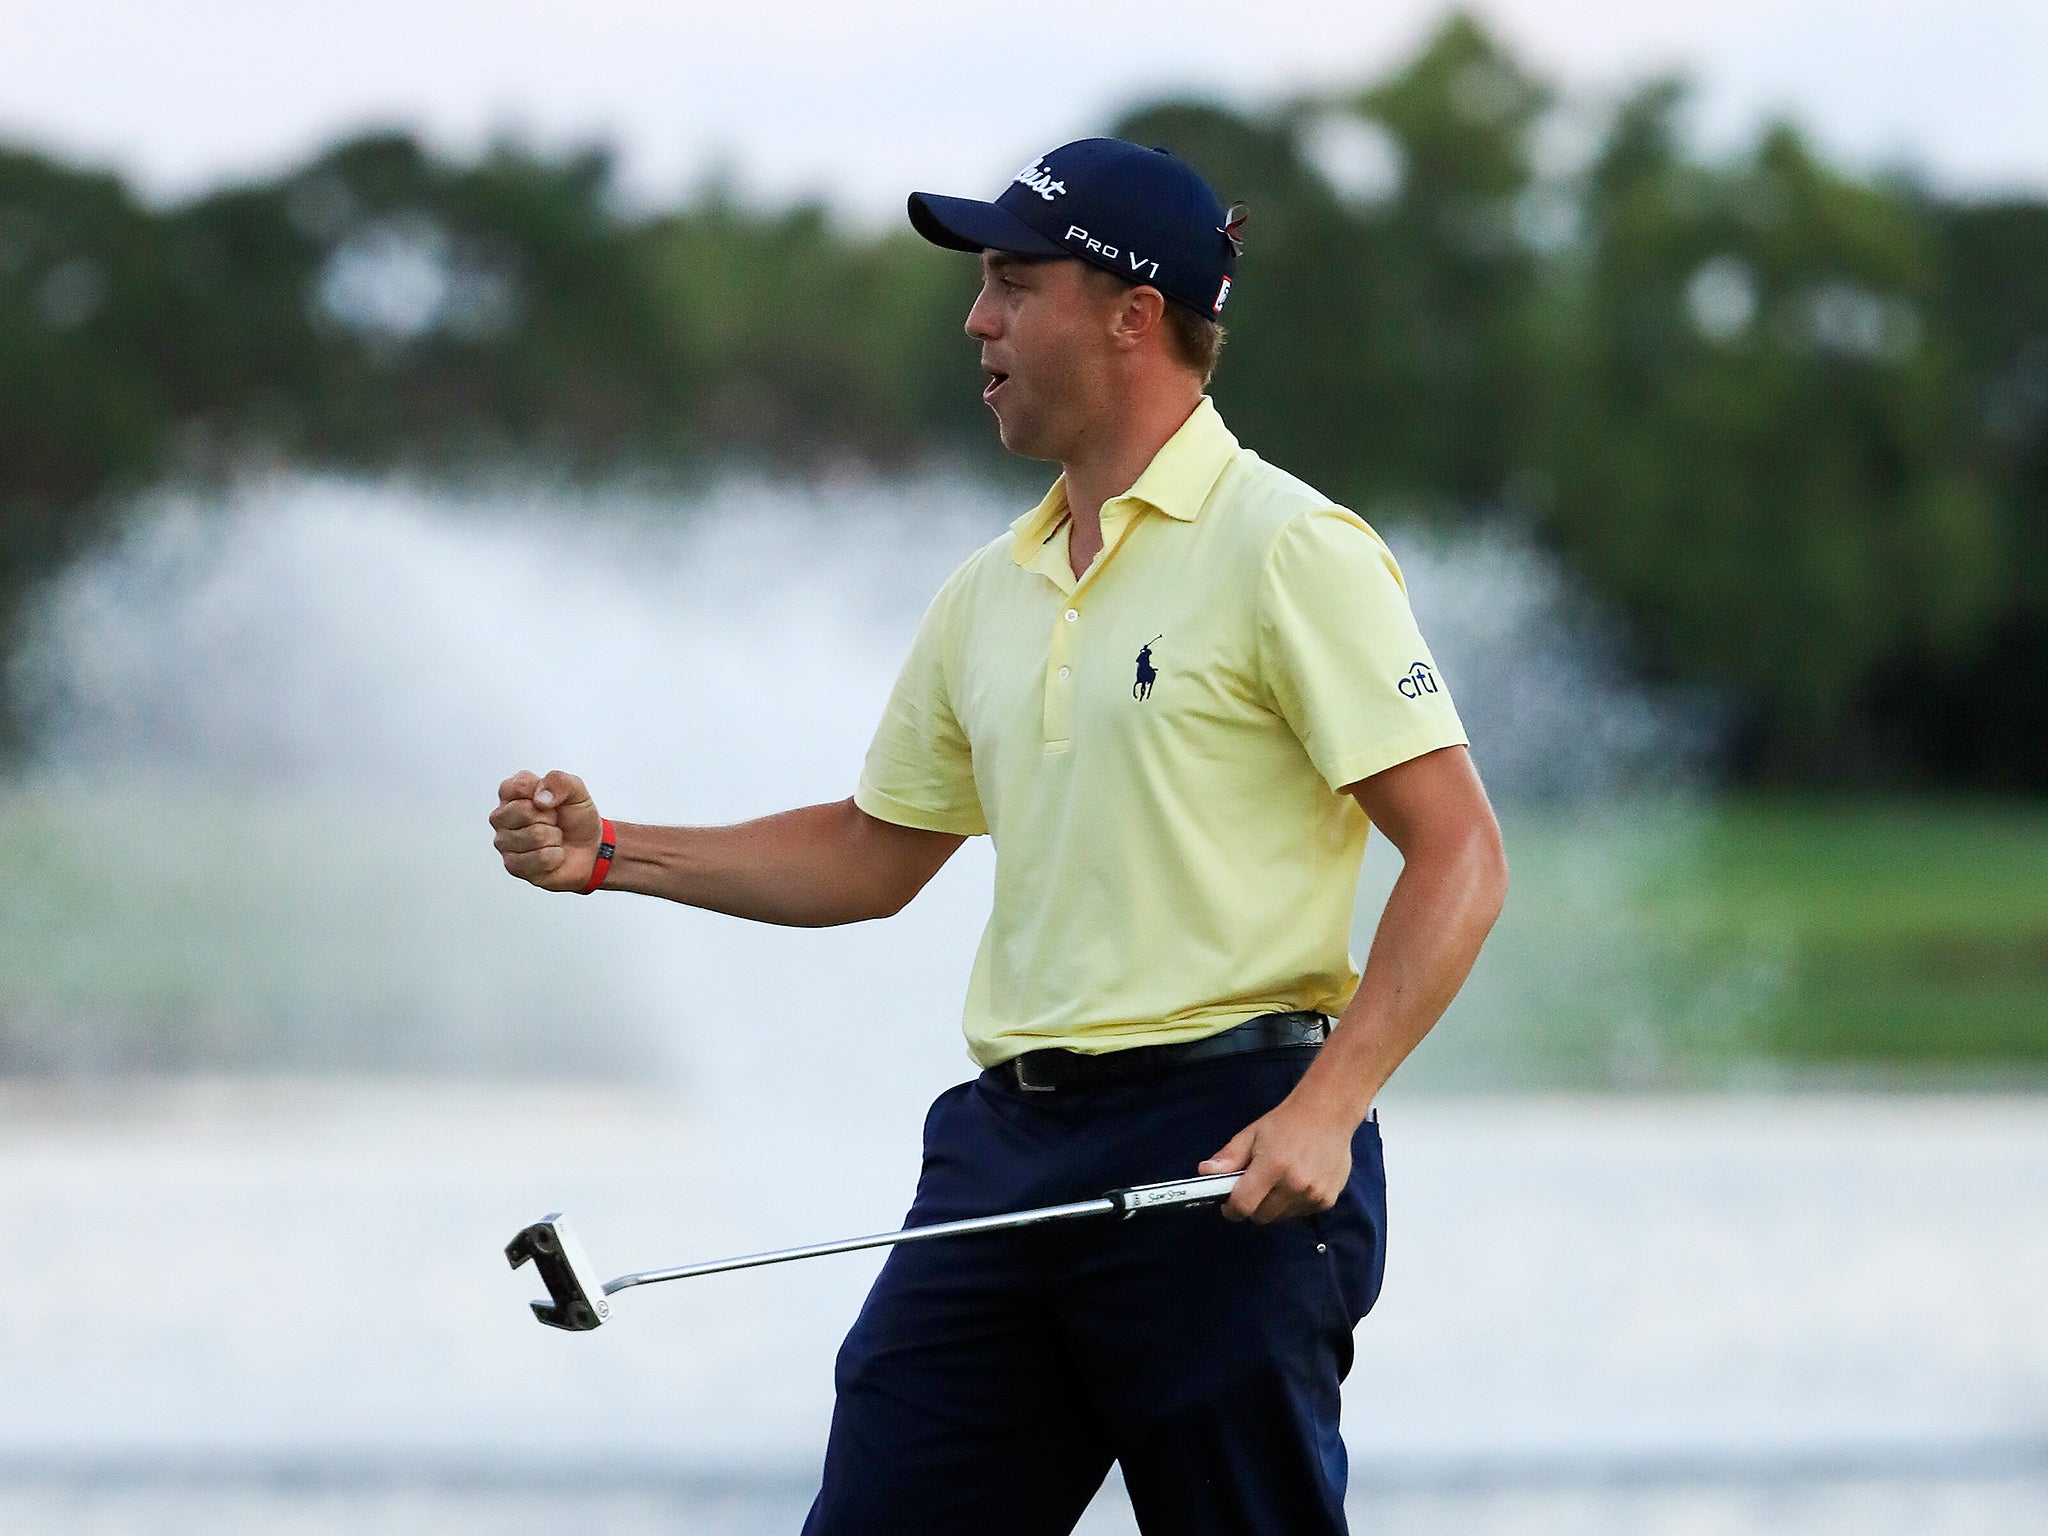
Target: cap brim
[962, 224]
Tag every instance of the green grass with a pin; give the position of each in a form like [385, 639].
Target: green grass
[1754, 938]
[1916, 932]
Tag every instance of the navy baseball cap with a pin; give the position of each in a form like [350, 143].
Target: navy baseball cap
[1140, 213]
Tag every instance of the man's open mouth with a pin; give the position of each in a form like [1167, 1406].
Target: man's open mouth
[995, 382]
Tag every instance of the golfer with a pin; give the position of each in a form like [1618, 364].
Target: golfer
[1176, 693]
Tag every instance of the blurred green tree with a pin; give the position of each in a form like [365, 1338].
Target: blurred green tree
[799, 345]
[84, 402]
[1379, 336]
[1980, 714]
[1752, 435]
[1792, 423]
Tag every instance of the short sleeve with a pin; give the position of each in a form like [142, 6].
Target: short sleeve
[1340, 652]
[919, 770]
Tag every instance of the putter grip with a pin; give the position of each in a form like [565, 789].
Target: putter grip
[1205, 1190]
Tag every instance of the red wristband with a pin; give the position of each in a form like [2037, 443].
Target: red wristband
[606, 842]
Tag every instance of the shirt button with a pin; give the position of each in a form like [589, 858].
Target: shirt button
[1063, 671]
[1073, 614]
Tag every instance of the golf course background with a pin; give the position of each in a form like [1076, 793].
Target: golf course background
[1752, 943]
[1863, 942]
[1764, 439]
[331, 491]
[251, 836]
[1785, 420]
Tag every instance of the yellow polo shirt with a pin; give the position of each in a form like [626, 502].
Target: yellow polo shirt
[1158, 749]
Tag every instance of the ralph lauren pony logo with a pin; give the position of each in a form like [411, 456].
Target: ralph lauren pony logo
[1147, 673]
[1417, 681]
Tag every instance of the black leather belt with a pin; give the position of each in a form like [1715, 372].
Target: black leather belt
[1056, 1067]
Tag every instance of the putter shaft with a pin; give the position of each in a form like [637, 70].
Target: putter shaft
[1103, 1207]
[1125, 1202]
[578, 1302]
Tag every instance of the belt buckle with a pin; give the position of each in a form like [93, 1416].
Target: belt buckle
[1020, 1074]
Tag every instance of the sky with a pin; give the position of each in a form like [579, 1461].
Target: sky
[857, 104]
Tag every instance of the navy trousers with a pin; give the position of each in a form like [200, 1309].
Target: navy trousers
[991, 1380]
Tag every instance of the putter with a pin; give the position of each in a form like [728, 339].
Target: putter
[578, 1301]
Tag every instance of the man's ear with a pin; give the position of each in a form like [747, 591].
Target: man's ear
[1140, 312]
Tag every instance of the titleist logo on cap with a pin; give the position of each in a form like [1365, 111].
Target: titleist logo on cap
[1040, 180]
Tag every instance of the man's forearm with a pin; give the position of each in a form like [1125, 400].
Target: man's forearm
[1436, 918]
[807, 868]
[1297, 1156]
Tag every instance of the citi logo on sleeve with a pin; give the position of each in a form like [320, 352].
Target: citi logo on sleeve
[1417, 681]
[1039, 179]
[1147, 673]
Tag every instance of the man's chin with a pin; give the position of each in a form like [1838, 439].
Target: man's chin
[1021, 437]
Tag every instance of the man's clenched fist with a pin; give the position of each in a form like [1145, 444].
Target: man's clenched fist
[547, 830]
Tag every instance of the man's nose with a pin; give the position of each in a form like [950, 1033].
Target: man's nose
[983, 321]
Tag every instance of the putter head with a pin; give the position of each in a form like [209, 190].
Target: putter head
[578, 1301]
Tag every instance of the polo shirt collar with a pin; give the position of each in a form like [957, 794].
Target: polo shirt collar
[1177, 481]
